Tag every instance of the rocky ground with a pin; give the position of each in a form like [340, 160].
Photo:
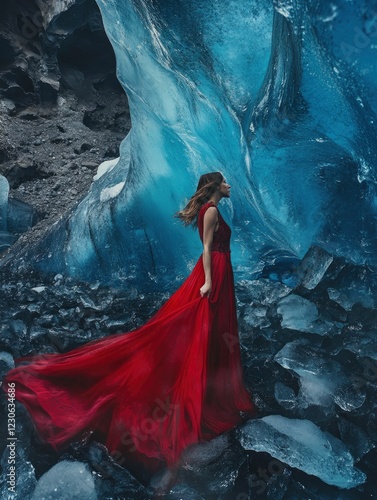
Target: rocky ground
[50, 154]
[309, 358]
[62, 110]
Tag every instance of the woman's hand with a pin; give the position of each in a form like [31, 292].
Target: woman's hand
[205, 290]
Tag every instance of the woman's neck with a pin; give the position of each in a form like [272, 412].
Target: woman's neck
[214, 200]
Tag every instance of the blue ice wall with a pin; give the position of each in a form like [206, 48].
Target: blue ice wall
[279, 96]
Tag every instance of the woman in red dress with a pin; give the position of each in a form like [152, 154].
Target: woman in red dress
[175, 381]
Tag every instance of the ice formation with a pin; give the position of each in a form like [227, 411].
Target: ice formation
[279, 96]
[303, 445]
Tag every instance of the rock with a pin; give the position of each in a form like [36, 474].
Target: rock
[29, 114]
[7, 106]
[255, 316]
[6, 363]
[23, 473]
[358, 442]
[66, 481]
[214, 465]
[91, 165]
[111, 479]
[263, 291]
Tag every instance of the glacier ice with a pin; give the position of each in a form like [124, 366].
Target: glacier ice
[16, 216]
[323, 381]
[303, 445]
[279, 96]
[66, 480]
[300, 314]
[4, 192]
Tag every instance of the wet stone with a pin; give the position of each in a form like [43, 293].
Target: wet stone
[6, 363]
[358, 442]
[262, 291]
[89, 304]
[67, 339]
[214, 464]
[18, 327]
[38, 333]
[254, 315]
[24, 475]
[48, 320]
[111, 479]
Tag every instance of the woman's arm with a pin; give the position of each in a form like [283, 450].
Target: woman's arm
[209, 223]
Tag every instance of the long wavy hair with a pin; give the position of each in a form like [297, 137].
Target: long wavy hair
[207, 185]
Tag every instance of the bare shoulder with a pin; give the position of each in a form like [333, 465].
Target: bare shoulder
[211, 214]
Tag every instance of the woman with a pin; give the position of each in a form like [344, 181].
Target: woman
[175, 381]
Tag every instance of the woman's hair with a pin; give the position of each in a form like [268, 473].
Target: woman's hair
[207, 185]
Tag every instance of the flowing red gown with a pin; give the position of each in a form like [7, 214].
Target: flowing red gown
[149, 393]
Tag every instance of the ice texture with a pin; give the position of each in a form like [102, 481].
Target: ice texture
[303, 445]
[4, 192]
[313, 267]
[66, 481]
[298, 313]
[281, 100]
[323, 381]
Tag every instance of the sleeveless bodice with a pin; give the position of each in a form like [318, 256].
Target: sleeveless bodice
[221, 237]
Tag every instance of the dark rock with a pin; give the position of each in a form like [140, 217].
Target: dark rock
[69, 337]
[212, 467]
[111, 479]
[91, 165]
[30, 114]
[24, 473]
[6, 363]
[358, 442]
[8, 106]
[7, 150]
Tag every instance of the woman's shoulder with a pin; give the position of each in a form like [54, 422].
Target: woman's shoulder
[206, 206]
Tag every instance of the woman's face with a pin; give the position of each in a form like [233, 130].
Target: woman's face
[224, 189]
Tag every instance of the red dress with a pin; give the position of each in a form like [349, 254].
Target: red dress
[149, 393]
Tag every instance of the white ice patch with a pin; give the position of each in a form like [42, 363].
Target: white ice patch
[111, 192]
[105, 167]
